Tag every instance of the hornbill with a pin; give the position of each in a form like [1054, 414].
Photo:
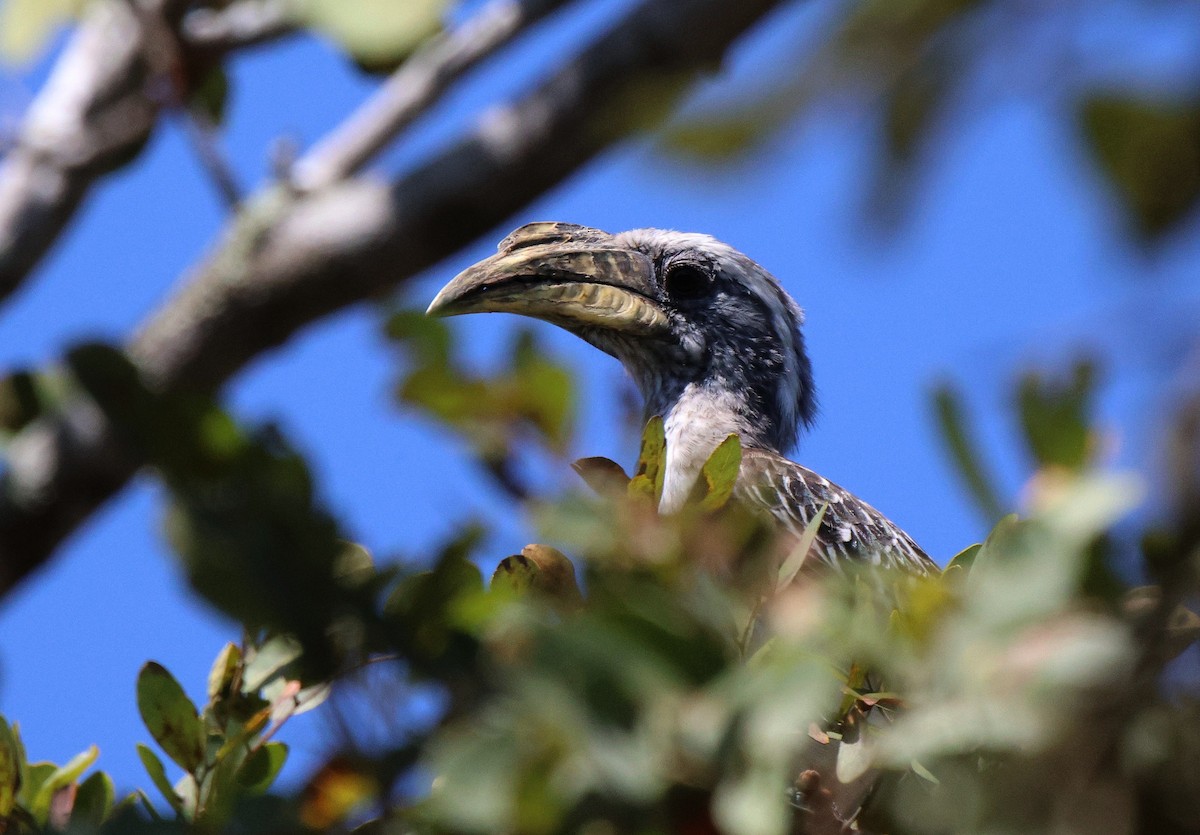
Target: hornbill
[713, 342]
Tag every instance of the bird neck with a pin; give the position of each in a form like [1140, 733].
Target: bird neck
[696, 419]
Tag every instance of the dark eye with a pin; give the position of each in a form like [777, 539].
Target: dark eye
[687, 281]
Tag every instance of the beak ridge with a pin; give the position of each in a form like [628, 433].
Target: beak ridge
[572, 276]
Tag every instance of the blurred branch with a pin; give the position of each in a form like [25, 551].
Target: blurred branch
[97, 110]
[243, 24]
[290, 259]
[408, 93]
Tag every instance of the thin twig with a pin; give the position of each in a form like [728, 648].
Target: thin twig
[410, 90]
[203, 136]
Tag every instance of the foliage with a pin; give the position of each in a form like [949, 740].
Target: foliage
[678, 675]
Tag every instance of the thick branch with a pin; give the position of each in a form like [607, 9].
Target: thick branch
[291, 259]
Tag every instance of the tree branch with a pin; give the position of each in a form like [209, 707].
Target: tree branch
[290, 259]
[95, 113]
[418, 82]
[243, 24]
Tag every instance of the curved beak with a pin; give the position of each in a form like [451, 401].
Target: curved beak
[572, 276]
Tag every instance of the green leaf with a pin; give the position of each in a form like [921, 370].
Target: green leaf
[33, 777]
[94, 800]
[170, 716]
[376, 32]
[268, 661]
[10, 769]
[62, 776]
[19, 401]
[158, 776]
[211, 95]
[720, 473]
[795, 560]
[951, 416]
[538, 568]
[1149, 149]
[261, 768]
[647, 479]
[427, 338]
[220, 677]
[1055, 417]
[965, 558]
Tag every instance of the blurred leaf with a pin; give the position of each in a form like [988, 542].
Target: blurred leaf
[951, 415]
[375, 32]
[1150, 151]
[605, 476]
[261, 768]
[211, 95]
[539, 568]
[336, 791]
[94, 801]
[59, 778]
[723, 135]
[33, 777]
[268, 660]
[911, 104]
[26, 25]
[426, 337]
[533, 393]
[19, 401]
[10, 769]
[799, 554]
[964, 559]
[1056, 417]
[170, 716]
[651, 468]
[720, 473]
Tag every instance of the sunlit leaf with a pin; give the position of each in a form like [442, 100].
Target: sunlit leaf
[376, 32]
[268, 660]
[26, 25]
[10, 769]
[61, 777]
[220, 677]
[720, 473]
[538, 568]
[170, 716]
[647, 479]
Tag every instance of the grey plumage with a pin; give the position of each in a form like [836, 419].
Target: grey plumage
[714, 344]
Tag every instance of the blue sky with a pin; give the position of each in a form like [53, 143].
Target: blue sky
[1010, 255]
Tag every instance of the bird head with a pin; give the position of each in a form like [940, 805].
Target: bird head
[690, 318]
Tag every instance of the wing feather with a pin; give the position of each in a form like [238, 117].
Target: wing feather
[850, 530]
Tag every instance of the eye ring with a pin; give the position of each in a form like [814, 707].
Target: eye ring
[685, 282]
